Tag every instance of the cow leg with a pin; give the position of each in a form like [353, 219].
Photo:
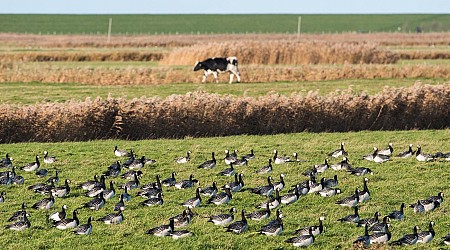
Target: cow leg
[232, 74]
[215, 76]
[231, 77]
[205, 74]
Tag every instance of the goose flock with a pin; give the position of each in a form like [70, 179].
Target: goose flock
[124, 183]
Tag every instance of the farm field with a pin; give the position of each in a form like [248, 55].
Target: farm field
[213, 24]
[69, 91]
[393, 182]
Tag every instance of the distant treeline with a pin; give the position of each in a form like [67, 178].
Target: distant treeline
[222, 24]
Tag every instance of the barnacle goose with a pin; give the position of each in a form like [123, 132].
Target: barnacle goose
[109, 193]
[446, 239]
[360, 171]
[6, 162]
[210, 191]
[408, 153]
[195, 201]
[162, 230]
[380, 237]
[120, 205]
[41, 172]
[382, 226]
[49, 159]
[137, 164]
[158, 200]
[279, 159]
[302, 240]
[290, 197]
[363, 240]
[62, 191]
[408, 239]
[209, 164]
[19, 225]
[344, 164]
[238, 227]
[121, 152]
[398, 214]
[130, 174]
[273, 202]
[186, 183]
[321, 168]
[427, 236]
[327, 192]
[60, 215]
[169, 181]
[339, 152]
[273, 229]
[20, 214]
[316, 230]
[113, 170]
[265, 169]
[96, 203]
[2, 197]
[131, 184]
[67, 222]
[90, 184]
[379, 158]
[180, 234]
[423, 156]
[223, 219]
[364, 195]
[350, 201]
[84, 229]
[182, 219]
[387, 151]
[352, 218]
[112, 218]
[230, 158]
[184, 159]
[249, 156]
[237, 185]
[369, 221]
[54, 179]
[316, 186]
[126, 196]
[241, 162]
[32, 166]
[98, 188]
[264, 190]
[221, 198]
[279, 184]
[45, 203]
[228, 171]
[260, 214]
[331, 182]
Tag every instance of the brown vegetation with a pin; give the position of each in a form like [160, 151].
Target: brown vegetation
[281, 52]
[64, 41]
[204, 114]
[14, 72]
[80, 56]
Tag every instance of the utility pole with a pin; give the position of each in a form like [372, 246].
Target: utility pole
[109, 29]
[299, 25]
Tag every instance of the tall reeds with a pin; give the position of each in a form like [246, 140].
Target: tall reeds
[204, 114]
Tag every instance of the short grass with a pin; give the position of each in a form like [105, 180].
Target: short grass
[208, 24]
[394, 182]
[36, 92]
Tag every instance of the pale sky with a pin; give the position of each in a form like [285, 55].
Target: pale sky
[224, 6]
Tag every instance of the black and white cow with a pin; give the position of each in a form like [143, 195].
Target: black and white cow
[219, 65]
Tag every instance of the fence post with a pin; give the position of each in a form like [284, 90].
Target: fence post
[299, 25]
[109, 29]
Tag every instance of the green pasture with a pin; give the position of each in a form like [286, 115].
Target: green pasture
[393, 182]
[213, 24]
[37, 92]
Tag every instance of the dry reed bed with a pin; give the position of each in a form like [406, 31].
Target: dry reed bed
[80, 56]
[282, 52]
[404, 39]
[203, 114]
[14, 72]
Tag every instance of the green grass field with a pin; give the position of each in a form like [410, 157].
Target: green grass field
[187, 24]
[31, 93]
[394, 182]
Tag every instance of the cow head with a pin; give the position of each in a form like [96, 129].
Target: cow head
[197, 66]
